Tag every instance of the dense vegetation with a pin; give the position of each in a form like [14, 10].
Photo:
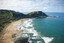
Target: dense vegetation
[36, 14]
[7, 16]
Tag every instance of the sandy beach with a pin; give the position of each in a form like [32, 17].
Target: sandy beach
[12, 28]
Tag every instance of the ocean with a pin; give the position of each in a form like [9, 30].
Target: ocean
[50, 29]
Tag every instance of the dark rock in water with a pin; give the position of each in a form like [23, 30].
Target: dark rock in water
[25, 40]
[36, 14]
[52, 16]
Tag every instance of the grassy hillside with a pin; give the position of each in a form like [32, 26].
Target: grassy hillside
[7, 16]
[36, 14]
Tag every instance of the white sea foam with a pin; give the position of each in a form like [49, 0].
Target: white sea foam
[27, 26]
[47, 39]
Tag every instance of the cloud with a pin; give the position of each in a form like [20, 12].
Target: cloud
[30, 5]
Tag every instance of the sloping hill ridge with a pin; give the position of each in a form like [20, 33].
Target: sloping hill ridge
[36, 14]
[7, 16]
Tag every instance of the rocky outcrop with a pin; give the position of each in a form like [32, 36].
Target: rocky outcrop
[25, 40]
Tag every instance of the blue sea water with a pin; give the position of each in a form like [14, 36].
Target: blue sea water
[51, 27]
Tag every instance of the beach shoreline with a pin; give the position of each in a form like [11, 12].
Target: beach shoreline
[9, 30]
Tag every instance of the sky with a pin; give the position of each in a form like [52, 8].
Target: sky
[33, 5]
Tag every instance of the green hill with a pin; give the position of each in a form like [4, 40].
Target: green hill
[36, 14]
[7, 16]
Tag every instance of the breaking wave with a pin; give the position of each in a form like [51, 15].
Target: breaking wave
[28, 27]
